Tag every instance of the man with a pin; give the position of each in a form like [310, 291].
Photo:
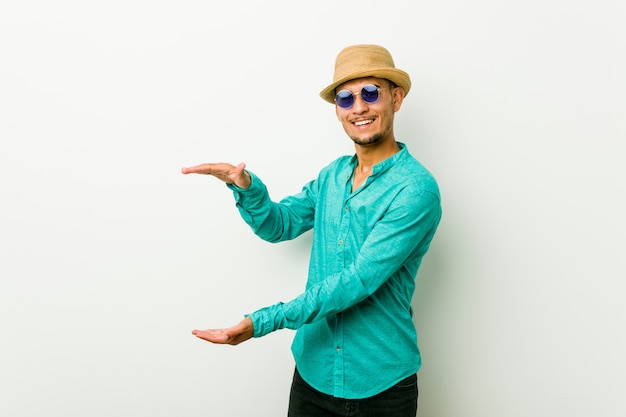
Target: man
[374, 215]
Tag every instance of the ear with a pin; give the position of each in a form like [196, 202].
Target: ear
[398, 98]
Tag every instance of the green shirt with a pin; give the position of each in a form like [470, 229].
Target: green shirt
[355, 332]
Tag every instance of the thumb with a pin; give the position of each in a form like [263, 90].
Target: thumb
[239, 168]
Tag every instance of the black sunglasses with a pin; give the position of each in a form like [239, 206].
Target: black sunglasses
[369, 93]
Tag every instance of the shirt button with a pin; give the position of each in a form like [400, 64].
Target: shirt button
[340, 241]
[347, 208]
[338, 348]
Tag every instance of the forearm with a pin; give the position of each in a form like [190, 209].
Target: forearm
[330, 296]
[271, 221]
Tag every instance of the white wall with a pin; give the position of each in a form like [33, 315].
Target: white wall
[109, 256]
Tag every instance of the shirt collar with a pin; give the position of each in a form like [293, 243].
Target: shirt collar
[383, 166]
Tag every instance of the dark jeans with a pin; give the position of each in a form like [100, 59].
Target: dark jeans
[398, 401]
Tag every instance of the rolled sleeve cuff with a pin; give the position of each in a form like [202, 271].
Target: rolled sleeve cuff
[255, 189]
[268, 319]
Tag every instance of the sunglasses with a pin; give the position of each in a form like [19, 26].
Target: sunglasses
[369, 93]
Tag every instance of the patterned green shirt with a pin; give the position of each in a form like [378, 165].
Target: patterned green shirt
[355, 332]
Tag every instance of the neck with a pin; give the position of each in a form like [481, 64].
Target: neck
[370, 155]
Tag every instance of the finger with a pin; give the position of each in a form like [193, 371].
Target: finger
[220, 170]
[212, 335]
[239, 168]
[198, 169]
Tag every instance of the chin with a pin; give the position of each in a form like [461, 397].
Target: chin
[367, 141]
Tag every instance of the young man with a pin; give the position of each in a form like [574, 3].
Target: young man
[374, 215]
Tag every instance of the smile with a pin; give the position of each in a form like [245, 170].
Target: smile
[363, 122]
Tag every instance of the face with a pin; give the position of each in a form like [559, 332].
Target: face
[370, 123]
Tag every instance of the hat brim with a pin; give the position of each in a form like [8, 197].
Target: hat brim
[396, 76]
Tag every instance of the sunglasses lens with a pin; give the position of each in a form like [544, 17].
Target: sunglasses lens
[345, 99]
[369, 93]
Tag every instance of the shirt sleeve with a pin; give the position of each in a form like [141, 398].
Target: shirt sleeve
[271, 221]
[402, 234]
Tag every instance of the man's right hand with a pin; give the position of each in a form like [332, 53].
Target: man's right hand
[228, 173]
[230, 336]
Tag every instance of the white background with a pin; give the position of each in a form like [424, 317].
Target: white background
[109, 257]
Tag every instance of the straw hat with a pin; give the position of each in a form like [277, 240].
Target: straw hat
[358, 61]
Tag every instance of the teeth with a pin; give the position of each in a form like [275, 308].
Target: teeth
[362, 122]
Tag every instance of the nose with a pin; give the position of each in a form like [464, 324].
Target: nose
[359, 105]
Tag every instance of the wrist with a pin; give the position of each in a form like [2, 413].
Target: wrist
[246, 181]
